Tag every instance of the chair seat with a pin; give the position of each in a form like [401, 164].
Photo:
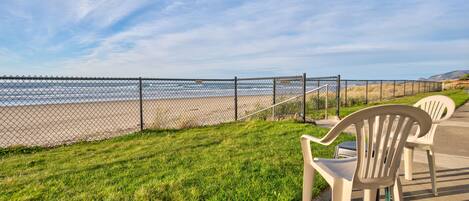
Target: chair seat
[418, 144]
[336, 168]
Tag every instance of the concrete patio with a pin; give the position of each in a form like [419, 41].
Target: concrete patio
[452, 160]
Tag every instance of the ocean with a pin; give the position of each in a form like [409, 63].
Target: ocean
[41, 92]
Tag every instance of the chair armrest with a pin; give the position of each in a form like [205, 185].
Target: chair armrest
[306, 147]
[313, 139]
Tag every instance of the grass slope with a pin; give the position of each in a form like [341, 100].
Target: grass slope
[236, 161]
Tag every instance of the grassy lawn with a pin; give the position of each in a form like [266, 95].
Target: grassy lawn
[235, 161]
[458, 96]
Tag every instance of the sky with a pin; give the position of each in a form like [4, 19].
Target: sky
[221, 39]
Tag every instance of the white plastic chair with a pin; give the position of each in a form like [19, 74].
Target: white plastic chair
[439, 108]
[381, 134]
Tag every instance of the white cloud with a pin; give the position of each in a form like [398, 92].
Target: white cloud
[205, 38]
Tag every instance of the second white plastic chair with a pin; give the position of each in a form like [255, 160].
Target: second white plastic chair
[439, 108]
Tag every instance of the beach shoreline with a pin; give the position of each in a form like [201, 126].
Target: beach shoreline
[55, 124]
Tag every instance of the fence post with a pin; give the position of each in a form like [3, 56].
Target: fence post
[418, 87]
[317, 99]
[304, 97]
[381, 90]
[326, 102]
[366, 92]
[404, 87]
[346, 100]
[337, 112]
[394, 89]
[236, 97]
[140, 93]
[274, 88]
[412, 87]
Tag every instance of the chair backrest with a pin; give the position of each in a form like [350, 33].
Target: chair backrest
[381, 134]
[439, 108]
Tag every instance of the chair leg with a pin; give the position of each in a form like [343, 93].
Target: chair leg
[341, 192]
[369, 194]
[308, 179]
[408, 160]
[336, 152]
[431, 165]
[397, 190]
[377, 194]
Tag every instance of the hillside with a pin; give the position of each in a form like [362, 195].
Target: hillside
[449, 75]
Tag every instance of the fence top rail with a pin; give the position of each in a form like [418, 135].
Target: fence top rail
[104, 78]
[185, 79]
[271, 78]
[62, 78]
[321, 80]
[328, 78]
[331, 78]
[390, 80]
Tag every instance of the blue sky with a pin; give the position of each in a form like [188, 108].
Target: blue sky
[199, 38]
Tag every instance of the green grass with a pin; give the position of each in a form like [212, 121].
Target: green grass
[459, 97]
[235, 161]
[255, 160]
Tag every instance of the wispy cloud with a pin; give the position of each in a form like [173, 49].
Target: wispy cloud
[211, 38]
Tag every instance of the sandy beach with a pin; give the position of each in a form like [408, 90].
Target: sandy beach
[49, 125]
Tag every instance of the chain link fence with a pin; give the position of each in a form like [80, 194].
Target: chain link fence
[356, 92]
[185, 103]
[50, 111]
[323, 102]
[270, 98]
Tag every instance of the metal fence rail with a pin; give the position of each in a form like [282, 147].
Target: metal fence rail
[49, 111]
[283, 102]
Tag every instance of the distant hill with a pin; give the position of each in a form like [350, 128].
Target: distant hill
[449, 75]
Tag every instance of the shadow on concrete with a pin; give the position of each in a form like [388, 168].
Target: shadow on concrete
[453, 184]
[442, 192]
